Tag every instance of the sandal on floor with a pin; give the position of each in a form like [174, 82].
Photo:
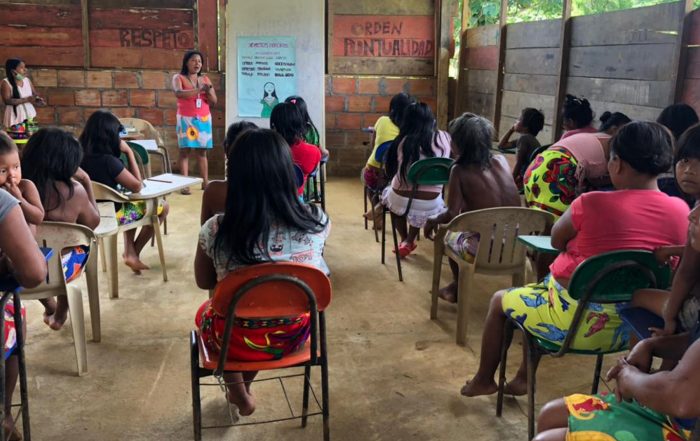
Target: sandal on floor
[186, 191]
[406, 248]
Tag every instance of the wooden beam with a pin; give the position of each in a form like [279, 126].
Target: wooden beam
[500, 71]
[681, 52]
[563, 71]
[85, 18]
[462, 77]
[206, 33]
[443, 62]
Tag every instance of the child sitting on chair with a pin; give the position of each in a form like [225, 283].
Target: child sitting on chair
[102, 149]
[528, 126]
[51, 159]
[11, 180]
[679, 307]
[214, 196]
[311, 135]
[418, 139]
[261, 224]
[478, 180]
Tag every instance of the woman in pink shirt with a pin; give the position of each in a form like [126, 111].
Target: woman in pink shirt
[194, 93]
[418, 139]
[636, 216]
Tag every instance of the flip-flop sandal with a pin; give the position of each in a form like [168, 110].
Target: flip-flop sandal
[186, 191]
[406, 249]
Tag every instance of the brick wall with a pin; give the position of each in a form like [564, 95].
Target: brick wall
[73, 94]
[354, 102]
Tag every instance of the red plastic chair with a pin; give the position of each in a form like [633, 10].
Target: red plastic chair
[268, 290]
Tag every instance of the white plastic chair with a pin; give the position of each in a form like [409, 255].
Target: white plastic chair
[499, 252]
[149, 132]
[59, 236]
[105, 193]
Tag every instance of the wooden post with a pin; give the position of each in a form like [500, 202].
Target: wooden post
[85, 16]
[564, 49]
[443, 62]
[503, 28]
[680, 52]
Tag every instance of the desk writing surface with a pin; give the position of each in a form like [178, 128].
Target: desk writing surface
[162, 185]
[149, 144]
[542, 244]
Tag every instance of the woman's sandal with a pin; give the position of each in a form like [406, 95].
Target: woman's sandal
[186, 191]
[405, 249]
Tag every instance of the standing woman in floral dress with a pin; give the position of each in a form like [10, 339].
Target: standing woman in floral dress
[195, 93]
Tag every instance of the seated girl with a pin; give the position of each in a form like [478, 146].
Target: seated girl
[577, 116]
[610, 123]
[635, 216]
[677, 118]
[102, 149]
[418, 139]
[679, 307]
[477, 180]
[311, 136]
[646, 406]
[288, 122]
[261, 224]
[28, 267]
[385, 129]
[528, 126]
[214, 196]
[11, 180]
[51, 159]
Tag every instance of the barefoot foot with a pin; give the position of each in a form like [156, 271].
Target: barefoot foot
[58, 319]
[475, 388]
[49, 309]
[449, 293]
[245, 404]
[517, 387]
[135, 264]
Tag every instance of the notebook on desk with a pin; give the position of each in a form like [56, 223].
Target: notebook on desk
[148, 144]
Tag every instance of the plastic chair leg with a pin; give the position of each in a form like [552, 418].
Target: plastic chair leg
[103, 257]
[110, 250]
[322, 177]
[196, 399]
[596, 373]
[505, 342]
[532, 360]
[366, 195]
[23, 390]
[77, 317]
[93, 296]
[305, 399]
[383, 233]
[159, 241]
[438, 251]
[396, 248]
[464, 287]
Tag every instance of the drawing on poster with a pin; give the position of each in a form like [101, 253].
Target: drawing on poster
[267, 74]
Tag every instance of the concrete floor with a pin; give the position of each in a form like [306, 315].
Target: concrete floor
[394, 373]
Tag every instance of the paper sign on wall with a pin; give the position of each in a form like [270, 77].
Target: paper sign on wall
[267, 74]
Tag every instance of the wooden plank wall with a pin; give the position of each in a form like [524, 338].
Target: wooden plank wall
[620, 61]
[530, 79]
[623, 61]
[477, 79]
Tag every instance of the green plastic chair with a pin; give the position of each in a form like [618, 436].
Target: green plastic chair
[429, 171]
[607, 278]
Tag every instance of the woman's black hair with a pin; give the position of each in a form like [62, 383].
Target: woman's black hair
[609, 120]
[7, 145]
[689, 144]
[274, 90]
[472, 135]
[677, 118]
[51, 156]
[644, 145]
[286, 120]
[10, 65]
[186, 58]
[416, 135]
[533, 120]
[301, 105]
[264, 163]
[234, 131]
[397, 106]
[578, 110]
[101, 134]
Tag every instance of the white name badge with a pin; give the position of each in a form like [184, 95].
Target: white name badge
[198, 103]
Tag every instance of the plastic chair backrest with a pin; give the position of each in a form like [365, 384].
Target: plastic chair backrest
[499, 229]
[273, 298]
[141, 152]
[105, 193]
[381, 151]
[537, 151]
[613, 277]
[58, 236]
[430, 171]
[145, 128]
[298, 175]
